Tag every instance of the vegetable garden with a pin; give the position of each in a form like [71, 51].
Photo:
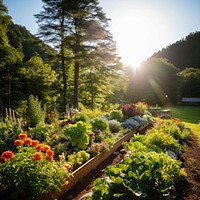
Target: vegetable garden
[41, 162]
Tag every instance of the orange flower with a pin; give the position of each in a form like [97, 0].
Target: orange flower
[2, 160]
[37, 156]
[49, 152]
[7, 154]
[28, 141]
[67, 165]
[22, 136]
[46, 148]
[35, 143]
[66, 182]
[39, 147]
[18, 143]
[49, 158]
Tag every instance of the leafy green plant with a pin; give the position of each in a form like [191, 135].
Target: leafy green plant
[141, 106]
[9, 130]
[41, 132]
[143, 175]
[35, 113]
[99, 124]
[77, 159]
[117, 115]
[31, 172]
[78, 134]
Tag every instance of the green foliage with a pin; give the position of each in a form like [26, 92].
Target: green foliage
[77, 159]
[99, 124]
[22, 177]
[35, 113]
[78, 134]
[116, 114]
[8, 133]
[114, 125]
[41, 132]
[141, 106]
[143, 175]
[187, 47]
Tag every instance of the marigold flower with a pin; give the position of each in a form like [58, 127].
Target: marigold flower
[22, 136]
[53, 170]
[18, 143]
[37, 156]
[7, 154]
[39, 147]
[49, 158]
[49, 152]
[28, 141]
[35, 143]
[2, 160]
[46, 148]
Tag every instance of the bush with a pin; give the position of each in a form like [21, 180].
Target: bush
[35, 113]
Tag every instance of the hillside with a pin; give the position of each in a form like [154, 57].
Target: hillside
[20, 38]
[184, 53]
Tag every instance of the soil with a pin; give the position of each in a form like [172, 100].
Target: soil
[184, 190]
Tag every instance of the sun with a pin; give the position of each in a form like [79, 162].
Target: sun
[137, 33]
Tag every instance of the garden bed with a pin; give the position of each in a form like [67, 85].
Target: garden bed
[90, 165]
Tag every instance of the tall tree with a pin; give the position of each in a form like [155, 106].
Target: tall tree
[52, 28]
[9, 57]
[90, 41]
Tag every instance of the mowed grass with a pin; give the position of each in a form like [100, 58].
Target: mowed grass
[189, 114]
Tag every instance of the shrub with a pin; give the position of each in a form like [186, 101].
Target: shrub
[35, 114]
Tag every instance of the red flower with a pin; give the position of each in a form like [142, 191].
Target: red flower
[37, 156]
[22, 136]
[18, 143]
[46, 148]
[7, 154]
[39, 147]
[2, 160]
[49, 158]
[49, 152]
[35, 143]
[28, 141]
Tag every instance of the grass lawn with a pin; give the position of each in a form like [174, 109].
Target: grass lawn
[189, 114]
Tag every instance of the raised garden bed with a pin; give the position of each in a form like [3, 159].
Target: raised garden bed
[83, 170]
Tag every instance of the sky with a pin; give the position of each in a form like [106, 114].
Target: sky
[139, 27]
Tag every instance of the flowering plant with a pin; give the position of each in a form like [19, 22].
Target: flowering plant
[31, 171]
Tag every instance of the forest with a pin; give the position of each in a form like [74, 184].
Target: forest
[72, 61]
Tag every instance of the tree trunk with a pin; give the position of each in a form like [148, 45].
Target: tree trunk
[65, 98]
[76, 83]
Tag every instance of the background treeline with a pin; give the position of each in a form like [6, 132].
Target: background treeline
[73, 61]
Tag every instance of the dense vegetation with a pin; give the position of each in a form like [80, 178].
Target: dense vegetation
[184, 53]
[81, 65]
